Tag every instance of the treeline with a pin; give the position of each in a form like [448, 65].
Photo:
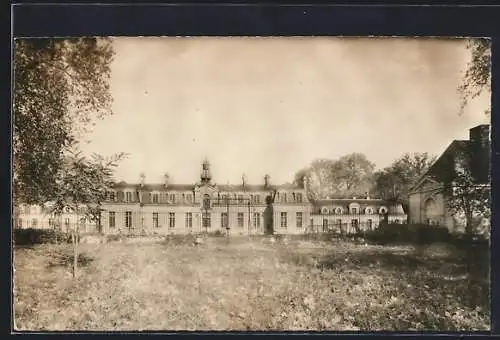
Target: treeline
[354, 175]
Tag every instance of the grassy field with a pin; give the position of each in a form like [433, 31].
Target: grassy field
[247, 285]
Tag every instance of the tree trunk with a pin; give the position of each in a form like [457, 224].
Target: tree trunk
[75, 245]
[75, 252]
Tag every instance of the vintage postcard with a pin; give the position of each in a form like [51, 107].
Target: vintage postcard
[251, 184]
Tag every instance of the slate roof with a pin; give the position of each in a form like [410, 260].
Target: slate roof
[443, 169]
[221, 188]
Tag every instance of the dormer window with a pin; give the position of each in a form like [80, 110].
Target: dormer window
[171, 198]
[155, 197]
[324, 210]
[298, 197]
[338, 211]
[369, 210]
[382, 210]
[128, 196]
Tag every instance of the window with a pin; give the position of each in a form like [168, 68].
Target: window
[34, 223]
[155, 198]
[66, 223]
[241, 219]
[112, 196]
[171, 220]
[128, 219]
[223, 220]
[155, 220]
[399, 222]
[354, 223]
[338, 210]
[240, 199]
[128, 196]
[189, 220]
[112, 220]
[119, 196]
[370, 223]
[283, 197]
[225, 198]
[299, 219]
[206, 218]
[325, 224]
[354, 210]
[51, 222]
[283, 220]
[20, 223]
[256, 220]
[206, 202]
[172, 198]
[368, 211]
[189, 198]
[298, 197]
[339, 222]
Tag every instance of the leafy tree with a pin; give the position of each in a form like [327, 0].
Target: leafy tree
[348, 175]
[81, 187]
[477, 78]
[60, 87]
[467, 197]
[353, 174]
[394, 182]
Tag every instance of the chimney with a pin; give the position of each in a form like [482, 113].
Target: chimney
[166, 178]
[243, 180]
[143, 179]
[480, 135]
[266, 180]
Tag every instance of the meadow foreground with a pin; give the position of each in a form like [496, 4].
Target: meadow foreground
[246, 285]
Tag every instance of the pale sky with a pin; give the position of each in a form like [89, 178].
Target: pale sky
[272, 105]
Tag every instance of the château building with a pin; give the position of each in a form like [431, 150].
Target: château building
[242, 209]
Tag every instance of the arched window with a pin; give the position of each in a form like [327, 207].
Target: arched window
[324, 210]
[368, 210]
[382, 210]
[339, 211]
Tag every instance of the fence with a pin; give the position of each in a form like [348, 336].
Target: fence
[341, 228]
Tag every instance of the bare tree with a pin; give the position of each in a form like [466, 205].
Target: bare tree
[82, 185]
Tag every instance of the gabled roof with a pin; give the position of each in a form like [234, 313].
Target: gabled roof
[443, 169]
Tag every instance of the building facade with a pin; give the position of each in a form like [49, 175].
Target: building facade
[428, 200]
[243, 209]
[350, 215]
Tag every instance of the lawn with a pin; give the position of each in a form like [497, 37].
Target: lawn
[244, 284]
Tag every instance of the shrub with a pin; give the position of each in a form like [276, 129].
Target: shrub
[408, 234]
[30, 236]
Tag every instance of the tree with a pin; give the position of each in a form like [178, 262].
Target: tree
[346, 176]
[60, 87]
[477, 77]
[394, 182]
[468, 199]
[353, 174]
[81, 187]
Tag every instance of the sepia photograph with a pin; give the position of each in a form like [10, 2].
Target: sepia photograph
[251, 184]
